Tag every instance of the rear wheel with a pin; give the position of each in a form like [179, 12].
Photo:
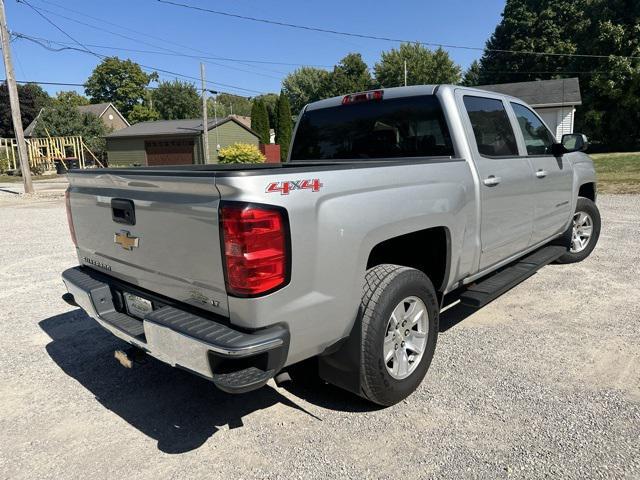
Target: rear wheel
[583, 233]
[399, 317]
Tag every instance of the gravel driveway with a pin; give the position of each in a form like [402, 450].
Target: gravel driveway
[543, 382]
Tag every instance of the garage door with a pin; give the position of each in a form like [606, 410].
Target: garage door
[169, 152]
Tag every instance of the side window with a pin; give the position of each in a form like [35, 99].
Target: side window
[491, 126]
[537, 137]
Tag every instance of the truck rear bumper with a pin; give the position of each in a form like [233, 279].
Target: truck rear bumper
[235, 361]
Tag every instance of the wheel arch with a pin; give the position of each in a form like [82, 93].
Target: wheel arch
[588, 190]
[434, 260]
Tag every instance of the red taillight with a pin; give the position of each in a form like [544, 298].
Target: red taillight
[255, 249]
[362, 97]
[72, 230]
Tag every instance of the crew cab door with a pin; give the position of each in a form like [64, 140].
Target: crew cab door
[553, 176]
[506, 178]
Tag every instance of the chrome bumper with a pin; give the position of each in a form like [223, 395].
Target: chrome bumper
[180, 338]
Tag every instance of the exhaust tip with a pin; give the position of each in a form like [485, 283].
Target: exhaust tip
[128, 357]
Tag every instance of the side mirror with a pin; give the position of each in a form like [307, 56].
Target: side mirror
[574, 142]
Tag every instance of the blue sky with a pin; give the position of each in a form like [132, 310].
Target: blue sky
[153, 26]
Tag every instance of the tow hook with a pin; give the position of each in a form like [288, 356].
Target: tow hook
[131, 355]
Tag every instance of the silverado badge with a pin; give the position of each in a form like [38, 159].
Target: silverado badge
[125, 240]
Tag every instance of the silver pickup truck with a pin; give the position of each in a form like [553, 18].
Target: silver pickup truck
[393, 202]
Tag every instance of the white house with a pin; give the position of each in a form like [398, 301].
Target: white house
[554, 100]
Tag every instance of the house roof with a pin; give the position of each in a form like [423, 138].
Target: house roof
[541, 93]
[28, 131]
[173, 127]
[96, 109]
[243, 119]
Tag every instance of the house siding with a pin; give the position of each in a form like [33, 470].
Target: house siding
[227, 134]
[566, 121]
[115, 123]
[126, 152]
[558, 119]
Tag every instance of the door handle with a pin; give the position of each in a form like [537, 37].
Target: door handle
[491, 181]
[541, 173]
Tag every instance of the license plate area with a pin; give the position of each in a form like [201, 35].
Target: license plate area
[137, 306]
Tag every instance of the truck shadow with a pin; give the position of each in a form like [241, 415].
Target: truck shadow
[176, 408]
[454, 315]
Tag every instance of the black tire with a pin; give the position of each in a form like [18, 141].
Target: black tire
[590, 208]
[385, 288]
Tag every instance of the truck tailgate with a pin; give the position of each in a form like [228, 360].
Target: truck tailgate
[172, 247]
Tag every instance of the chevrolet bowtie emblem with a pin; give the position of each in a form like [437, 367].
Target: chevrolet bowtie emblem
[125, 240]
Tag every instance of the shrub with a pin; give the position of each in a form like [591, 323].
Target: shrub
[240, 153]
[4, 163]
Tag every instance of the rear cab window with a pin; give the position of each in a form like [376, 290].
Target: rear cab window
[392, 128]
[491, 126]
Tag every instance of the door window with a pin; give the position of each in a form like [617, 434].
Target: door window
[537, 138]
[491, 126]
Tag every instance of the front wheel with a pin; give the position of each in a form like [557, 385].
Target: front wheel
[583, 232]
[399, 317]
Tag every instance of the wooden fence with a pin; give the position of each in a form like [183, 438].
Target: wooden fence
[44, 152]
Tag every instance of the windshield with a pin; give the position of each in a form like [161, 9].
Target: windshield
[399, 127]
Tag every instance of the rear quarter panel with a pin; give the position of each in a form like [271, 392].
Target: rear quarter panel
[334, 230]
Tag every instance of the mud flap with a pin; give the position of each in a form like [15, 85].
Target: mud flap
[340, 365]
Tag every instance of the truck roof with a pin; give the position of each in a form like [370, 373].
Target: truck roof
[410, 91]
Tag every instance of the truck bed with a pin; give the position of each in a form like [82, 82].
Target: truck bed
[233, 170]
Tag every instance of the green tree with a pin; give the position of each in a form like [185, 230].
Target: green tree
[142, 113]
[64, 119]
[260, 121]
[471, 76]
[284, 126]
[176, 100]
[32, 99]
[349, 76]
[71, 97]
[424, 66]
[228, 104]
[270, 101]
[121, 82]
[610, 110]
[305, 85]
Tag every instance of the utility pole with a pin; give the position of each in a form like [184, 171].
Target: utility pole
[205, 122]
[14, 102]
[405, 73]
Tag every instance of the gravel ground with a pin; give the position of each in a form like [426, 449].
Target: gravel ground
[543, 382]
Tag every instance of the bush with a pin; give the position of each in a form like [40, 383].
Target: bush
[4, 163]
[241, 153]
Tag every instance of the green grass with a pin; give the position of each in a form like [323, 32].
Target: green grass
[618, 172]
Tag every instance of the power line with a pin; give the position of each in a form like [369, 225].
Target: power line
[66, 46]
[206, 55]
[186, 55]
[56, 26]
[142, 41]
[26, 82]
[386, 39]
[147, 67]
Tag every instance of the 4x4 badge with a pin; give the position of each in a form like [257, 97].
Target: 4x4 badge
[288, 186]
[125, 240]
